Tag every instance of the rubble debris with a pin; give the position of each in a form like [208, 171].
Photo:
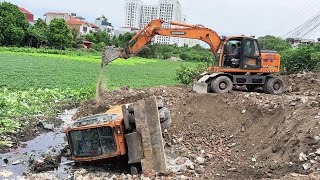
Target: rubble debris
[303, 157]
[5, 173]
[16, 162]
[49, 126]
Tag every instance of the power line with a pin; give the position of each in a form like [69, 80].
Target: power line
[315, 27]
[306, 28]
[301, 26]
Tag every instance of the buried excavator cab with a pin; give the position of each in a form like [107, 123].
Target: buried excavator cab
[131, 130]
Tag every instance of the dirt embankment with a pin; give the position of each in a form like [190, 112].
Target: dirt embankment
[238, 134]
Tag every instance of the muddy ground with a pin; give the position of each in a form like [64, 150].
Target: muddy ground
[237, 135]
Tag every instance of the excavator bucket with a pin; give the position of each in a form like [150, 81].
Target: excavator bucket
[200, 87]
[111, 53]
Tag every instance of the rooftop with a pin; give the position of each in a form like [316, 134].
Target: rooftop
[55, 13]
[25, 11]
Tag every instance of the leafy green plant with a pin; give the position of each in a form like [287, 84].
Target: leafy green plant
[8, 126]
[303, 58]
[187, 75]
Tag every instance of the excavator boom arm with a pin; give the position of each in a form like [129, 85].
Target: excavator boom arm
[144, 37]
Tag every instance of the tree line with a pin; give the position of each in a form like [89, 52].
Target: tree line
[16, 31]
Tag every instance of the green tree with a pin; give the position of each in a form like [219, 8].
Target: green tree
[102, 36]
[99, 37]
[37, 34]
[77, 40]
[273, 43]
[90, 37]
[303, 58]
[13, 25]
[59, 36]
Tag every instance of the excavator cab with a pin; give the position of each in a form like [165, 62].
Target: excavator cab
[240, 53]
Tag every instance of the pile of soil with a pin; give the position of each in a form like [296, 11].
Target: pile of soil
[303, 83]
[239, 134]
[245, 135]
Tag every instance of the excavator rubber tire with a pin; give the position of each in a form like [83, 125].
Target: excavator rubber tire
[164, 114]
[221, 84]
[274, 85]
[166, 124]
[165, 118]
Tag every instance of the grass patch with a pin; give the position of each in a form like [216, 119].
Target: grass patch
[38, 83]
[23, 71]
[6, 143]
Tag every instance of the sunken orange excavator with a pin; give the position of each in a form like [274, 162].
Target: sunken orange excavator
[238, 59]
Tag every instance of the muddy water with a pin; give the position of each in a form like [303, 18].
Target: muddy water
[51, 142]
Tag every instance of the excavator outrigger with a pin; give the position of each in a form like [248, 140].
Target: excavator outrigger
[238, 59]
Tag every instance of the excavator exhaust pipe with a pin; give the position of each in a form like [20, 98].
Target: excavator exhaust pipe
[200, 87]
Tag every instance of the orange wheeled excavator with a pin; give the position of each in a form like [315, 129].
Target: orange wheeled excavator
[238, 59]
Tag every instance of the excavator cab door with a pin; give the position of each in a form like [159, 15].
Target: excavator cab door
[251, 54]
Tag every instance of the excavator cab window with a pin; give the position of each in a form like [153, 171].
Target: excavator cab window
[251, 56]
[232, 51]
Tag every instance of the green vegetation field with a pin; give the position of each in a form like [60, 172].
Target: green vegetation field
[20, 71]
[39, 83]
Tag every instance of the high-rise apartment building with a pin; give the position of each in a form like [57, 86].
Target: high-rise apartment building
[148, 13]
[169, 10]
[133, 12]
[138, 15]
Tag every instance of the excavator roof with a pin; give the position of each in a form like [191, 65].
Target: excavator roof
[242, 36]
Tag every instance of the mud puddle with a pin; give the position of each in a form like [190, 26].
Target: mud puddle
[15, 163]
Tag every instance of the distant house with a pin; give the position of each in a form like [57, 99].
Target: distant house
[103, 24]
[28, 15]
[87, 44]
[56, 15]
[94, 27]
[123, 30]
[298, 41]
[83, 27]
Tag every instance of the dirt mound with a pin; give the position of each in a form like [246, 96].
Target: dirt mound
[238, 135]
[247, 135]
[303, 83]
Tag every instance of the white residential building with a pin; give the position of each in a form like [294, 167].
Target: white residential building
[103, 24]
[148, 13]
[138, 15]
[56, 15]
[169, 10]
[123, 30]
[133, 9]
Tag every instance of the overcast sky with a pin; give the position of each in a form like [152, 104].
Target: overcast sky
[229, 17]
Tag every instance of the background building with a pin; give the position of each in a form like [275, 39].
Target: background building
[56, 15]
[28, 15]
[138, 15]
[169, 10]
[133, 9]
[81, 26]
[148, 13]
[103, 24]
[123, 30]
